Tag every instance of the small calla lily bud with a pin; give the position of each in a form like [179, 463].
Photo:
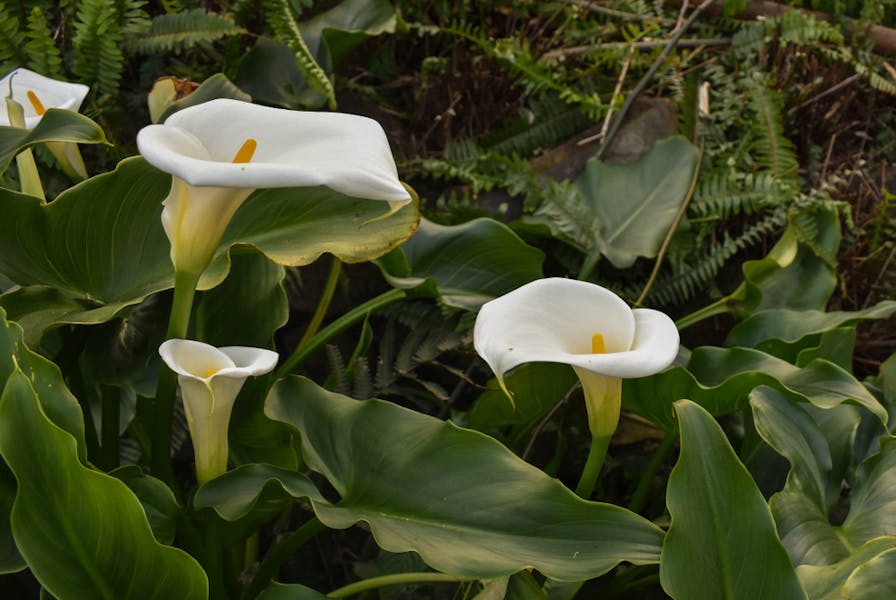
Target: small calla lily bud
[210, 379]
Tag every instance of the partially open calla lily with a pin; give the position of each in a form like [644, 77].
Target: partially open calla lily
[210, 379]
[36, 94]
[220, 151]
[582, 325]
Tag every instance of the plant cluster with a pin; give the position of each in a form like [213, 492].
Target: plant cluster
[596, 304]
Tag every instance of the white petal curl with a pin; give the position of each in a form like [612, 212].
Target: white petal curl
[552, 320]
[347, 153]
[51, 93]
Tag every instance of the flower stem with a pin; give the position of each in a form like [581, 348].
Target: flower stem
[166, 388]
[324, 304]
[395, 579]
[279, 553]
[645, 484]
[596, 455]
[304, 350]
[720, 306]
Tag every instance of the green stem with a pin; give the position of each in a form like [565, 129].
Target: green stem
[303, 351]
[387, 580]
[596, 455]
[588, 265]
[111, 401]
[166, 389]
[719, 307]
[324, 304]
[214, 561]
[645, 484]
[279, 553]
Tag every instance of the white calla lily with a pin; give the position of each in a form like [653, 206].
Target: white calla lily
[210, 379]
[36, 94]
[220, 151]
[583, 325]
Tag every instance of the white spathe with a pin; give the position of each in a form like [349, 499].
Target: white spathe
[554, 320]
[197, 146]
[210, 379]
[51, 93]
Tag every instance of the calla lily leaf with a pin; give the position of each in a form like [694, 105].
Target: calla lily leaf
[57, 125]
[292, 591]
[388, 465]
[722, 541]
[247, 308]
[628, 209]
[789, 326]
[720, 380]
[157, 499]
[216, 86]
[82, 533]
[101, 247]
[801, 508]
[10, 559]
[873, 580]
[462, 265]
[828, 582]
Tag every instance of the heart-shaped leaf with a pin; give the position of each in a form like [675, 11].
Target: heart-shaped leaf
[493, 516]
[720, 380]
[462, 265]
[827, 582]
[83, 533]
[722, 541]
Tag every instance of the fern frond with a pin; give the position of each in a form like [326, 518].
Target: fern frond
[549, 120]
[280, 18]
[770, 147]
[688, 282]
[176, 31]
[337, 368]
[43, 55]
[722, 196]
[98, 57]
[12, 53]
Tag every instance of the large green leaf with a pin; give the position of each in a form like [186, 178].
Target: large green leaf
[462, 265]
[293, 591]
[100, 244]
[720, 379]
[789, 326]
[873, 509]
[801, 508]
[536, 388]
[57, 125]
[635, 205]
[722, 542]
[247, 308]
[82, 533]
[330, 35]
[873, 579]
[457, 497]
[827, 582]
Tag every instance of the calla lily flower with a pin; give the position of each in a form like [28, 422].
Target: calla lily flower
[220, 151]
[210, 379]
[36, 94]
[582, 325]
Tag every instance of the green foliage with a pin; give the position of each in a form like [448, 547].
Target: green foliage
[174, 32]
[282, 21]
[98, 59]
[43, 55]
[12, 39]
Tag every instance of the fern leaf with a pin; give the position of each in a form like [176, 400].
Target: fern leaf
[42, 52]
[771, 149]
[98, 57]
[282, 21]
[176, 31]
[12, 53]
[722, 196]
